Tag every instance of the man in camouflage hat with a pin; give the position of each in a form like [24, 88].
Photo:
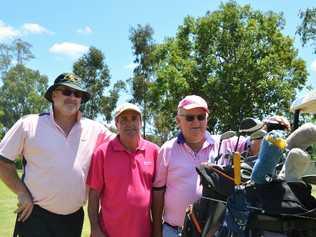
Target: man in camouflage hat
[56, 149]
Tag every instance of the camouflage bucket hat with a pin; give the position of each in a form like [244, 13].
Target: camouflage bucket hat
[69, 80]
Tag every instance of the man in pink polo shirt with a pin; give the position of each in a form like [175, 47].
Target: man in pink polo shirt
[56, 149]
[120, 180]
[176, 181]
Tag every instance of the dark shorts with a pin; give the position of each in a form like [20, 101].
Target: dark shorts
[44, 223]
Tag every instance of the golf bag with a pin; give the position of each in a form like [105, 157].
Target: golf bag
[271, 207]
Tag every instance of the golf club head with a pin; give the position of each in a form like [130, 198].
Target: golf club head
[250, 125]
[227, 135]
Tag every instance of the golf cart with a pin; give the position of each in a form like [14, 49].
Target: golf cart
[305, 104]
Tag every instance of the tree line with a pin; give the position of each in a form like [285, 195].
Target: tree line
[236, 58]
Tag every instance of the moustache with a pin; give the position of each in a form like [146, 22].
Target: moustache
[131, 128]
[71, 102]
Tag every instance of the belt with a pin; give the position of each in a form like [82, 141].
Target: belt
[178, 228]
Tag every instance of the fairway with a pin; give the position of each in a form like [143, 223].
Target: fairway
[7, 216]
[7, 206]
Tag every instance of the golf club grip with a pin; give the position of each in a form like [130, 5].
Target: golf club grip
[236, 163]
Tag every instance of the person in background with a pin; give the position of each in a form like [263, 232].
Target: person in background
[276, 122]
[56, 149]
[271, 123]
[120, 180]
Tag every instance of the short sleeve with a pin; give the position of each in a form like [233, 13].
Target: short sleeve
[13, 142]
[161, 172]
[95, 179]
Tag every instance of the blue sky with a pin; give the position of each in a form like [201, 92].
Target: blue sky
[61, 31]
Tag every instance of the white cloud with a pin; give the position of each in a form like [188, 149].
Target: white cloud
[131, 66]
[35, 28]
[86, 30]
[7, 32]
[313, 66]
[72, 50]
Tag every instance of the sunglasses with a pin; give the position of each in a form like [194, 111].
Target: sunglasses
[69, 92]
[191, 118]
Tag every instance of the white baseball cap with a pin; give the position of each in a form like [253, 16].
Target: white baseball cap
[124, 107]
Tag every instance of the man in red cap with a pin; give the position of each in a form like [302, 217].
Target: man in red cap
[176, 182]
[120, 180]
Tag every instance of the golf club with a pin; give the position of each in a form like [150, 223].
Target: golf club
[224, 136]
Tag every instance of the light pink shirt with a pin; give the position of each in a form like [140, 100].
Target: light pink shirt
[56, 164]
[176, 171]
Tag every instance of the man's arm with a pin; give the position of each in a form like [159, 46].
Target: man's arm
[10, 177]
[93, 212]
[157, 210]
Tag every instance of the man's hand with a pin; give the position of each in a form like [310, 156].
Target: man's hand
[93, 212]
[25, 206]
[157, 210]
[10, 177]
[156, 234]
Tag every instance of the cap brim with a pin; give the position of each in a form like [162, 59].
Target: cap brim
[84, 99]
[192, 106]
[128, 109]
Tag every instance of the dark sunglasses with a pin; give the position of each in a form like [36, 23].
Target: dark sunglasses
[69, 92]
[190, 118]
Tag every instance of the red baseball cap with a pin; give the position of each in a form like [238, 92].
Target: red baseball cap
[193, 101]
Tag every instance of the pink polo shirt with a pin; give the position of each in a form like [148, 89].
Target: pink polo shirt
[125, 181]
[176, 171]
[56, 164]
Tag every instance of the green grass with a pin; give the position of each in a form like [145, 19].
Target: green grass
[8, 203]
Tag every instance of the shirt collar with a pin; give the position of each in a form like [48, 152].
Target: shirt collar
[118, 146]
[209, 140]
[180, 138]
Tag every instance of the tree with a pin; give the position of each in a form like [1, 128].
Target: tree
[22, 51]
[142, 45]
[96, 77]
[21, 94]
[236, 58]
[19, 50]
[22, 89]
[307, 29]
[5, 57]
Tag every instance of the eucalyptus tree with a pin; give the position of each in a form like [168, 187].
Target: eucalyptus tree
[91, 67]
